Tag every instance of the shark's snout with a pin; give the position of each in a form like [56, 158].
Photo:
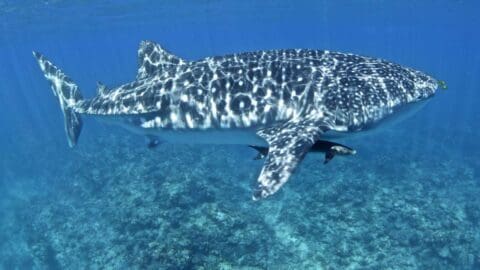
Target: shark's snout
[425, 86]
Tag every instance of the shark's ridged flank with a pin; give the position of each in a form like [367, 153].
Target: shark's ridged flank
[286, 100]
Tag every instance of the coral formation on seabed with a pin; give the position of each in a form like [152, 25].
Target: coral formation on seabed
[114, 205]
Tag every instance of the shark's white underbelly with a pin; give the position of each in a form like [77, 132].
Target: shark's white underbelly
[196, 136]
[243, 137]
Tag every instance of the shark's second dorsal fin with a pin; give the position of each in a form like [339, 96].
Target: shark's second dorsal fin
[101, 89]
[153, 59]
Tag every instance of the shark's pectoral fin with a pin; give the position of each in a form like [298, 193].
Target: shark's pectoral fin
[288, 145]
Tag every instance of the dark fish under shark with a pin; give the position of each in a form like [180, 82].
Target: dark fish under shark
[329, 148]
[282, 100]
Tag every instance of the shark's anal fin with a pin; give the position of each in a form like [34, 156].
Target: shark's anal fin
[153, 141]
[288, 145]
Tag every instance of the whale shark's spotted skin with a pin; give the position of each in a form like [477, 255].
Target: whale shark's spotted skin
[252, 89]
[289, 98]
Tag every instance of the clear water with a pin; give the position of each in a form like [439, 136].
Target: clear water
[407, 200]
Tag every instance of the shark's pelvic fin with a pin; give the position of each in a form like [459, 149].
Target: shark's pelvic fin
[68, 95]
[153, 60]
[288, 145]
[262, 151]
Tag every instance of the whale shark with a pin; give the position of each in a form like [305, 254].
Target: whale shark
[281, 101]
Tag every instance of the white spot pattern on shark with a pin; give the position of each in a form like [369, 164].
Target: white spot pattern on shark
[288, 98]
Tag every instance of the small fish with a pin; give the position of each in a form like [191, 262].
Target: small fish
[329, 148]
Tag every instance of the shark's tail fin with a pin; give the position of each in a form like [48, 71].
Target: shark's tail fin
[68, 95]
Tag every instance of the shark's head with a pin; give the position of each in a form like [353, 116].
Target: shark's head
[420, 91]
[391, 92]
[424, 86]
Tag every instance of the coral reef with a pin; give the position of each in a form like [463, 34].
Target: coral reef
[116, 204]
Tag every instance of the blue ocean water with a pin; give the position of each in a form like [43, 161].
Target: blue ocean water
[407, 200]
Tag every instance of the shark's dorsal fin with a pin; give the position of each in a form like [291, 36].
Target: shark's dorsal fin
[153, 59]
[101, 89]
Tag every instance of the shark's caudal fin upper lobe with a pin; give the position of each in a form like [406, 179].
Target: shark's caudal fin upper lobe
[68, 95]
